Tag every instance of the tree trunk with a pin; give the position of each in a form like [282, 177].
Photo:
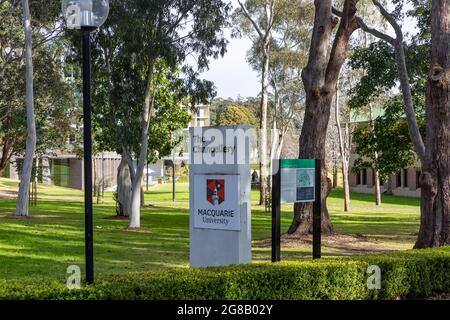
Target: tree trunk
[320, 79]
[263, 127]
[335, 174]
[24, 191]
[377, 187]
[435, 203]
[280, 146]
[346, 186]
[344, 151]
[389, 187]
[135, 214]
[6, 157]
[46, 174]
[265, 36]
[413, 127]
[124, 188]
[376, 176]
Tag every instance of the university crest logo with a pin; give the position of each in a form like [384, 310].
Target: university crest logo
[215, 191]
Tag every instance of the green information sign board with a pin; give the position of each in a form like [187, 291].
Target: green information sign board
[297, 180]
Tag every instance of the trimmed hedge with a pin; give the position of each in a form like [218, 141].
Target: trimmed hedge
[415, 273]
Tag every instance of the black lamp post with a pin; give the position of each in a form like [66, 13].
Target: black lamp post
[87, 15]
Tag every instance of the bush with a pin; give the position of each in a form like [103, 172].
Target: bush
[412, 273]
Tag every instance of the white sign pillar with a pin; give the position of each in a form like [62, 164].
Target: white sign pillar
[220, 207]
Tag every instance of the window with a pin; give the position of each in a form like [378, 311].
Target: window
[364, 177]
[405, 178]
[399, 179]
[358, 178]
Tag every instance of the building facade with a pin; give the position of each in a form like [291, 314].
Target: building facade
[67, 170]
[201, 116]
[404, 183]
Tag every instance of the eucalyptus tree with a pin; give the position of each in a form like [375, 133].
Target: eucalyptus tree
[256, 18]
[328, 52]
[344, 133]
[25, 178]
[427, 72]
[17, 47]
[142, 41]
[54, 102]
[289, 53]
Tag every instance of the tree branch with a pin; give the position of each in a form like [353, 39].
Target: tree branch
[390, 19]
[397, 44]
[247, 15]
[376, 33]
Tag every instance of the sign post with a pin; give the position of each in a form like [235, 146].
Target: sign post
[219, 185]
[276, 215]
[317, 214]
[296, 181]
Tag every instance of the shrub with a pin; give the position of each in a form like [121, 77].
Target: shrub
[412, 273]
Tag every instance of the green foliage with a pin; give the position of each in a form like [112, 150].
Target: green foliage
[390, 138]
[390, 135]
[412, 274]
[288, 51]
[237, 115]
[378, 60]
[151, 52]
[219, 105]
[55, 104]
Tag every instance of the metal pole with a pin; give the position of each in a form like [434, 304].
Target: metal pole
[276, 214]
[317, 213]
[89, 246]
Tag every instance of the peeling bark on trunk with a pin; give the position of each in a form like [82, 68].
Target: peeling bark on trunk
[435, 178]
[25, 179]
[320, 78]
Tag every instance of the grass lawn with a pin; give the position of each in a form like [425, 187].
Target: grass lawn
[53, 238]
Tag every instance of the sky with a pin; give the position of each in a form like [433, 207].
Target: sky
[233, 76]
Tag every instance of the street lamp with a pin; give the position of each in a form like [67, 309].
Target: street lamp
[86, 15]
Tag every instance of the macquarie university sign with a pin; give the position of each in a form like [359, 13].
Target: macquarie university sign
[220, 224]
[217, 207]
